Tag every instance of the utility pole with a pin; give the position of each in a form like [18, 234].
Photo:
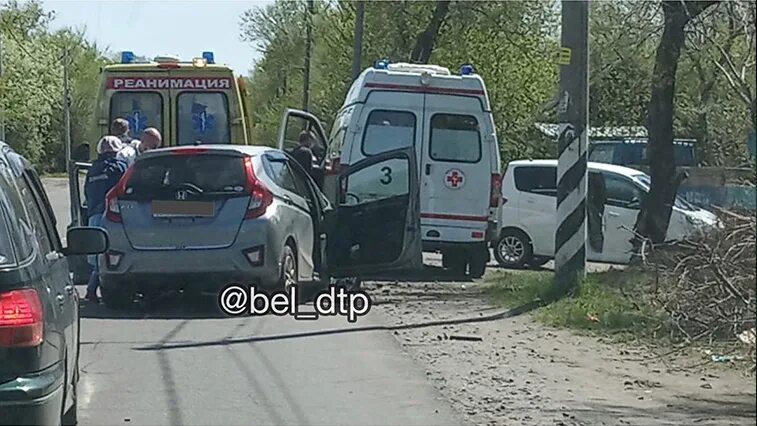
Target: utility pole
[2, 122]
[572, 182]
[67, 109]
[308, 43]
[357, 49]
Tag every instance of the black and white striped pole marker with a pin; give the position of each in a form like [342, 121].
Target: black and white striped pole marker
[572, 144]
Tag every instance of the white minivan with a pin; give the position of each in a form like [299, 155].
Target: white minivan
[447, 119]
[528, 215]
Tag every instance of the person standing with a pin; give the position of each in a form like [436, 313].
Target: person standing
[104, 174]
[151, 139]
[304, 153]
[120, 128]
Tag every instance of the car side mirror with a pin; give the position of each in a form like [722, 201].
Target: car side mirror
[86, 240]
[81, 153]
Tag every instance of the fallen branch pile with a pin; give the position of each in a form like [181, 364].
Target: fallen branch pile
[707, 283]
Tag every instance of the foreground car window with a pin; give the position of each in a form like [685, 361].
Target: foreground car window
[6, 248]
[210, 173]
[21, 231]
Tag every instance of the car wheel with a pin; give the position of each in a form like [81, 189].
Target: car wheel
[538, 262]
[115, 297]
[446, 260]
[457, 262]
[478, 261]
[513, 249]
[288, 276]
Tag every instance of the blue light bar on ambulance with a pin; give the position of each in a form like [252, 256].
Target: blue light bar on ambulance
[127, 57]
[381, 64]
[209, 57]
[467, 70]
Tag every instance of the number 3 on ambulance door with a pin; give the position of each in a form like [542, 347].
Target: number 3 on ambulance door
[387, 179]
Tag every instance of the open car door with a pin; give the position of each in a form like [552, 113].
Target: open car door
[78, 211]
[375, 225]
[294, 122]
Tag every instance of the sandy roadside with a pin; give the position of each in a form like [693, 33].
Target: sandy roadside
[523, 373]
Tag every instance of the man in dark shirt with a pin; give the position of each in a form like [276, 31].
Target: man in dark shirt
[303, 153]
[104, 174]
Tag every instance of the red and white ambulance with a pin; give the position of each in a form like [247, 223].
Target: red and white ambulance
[447, 118]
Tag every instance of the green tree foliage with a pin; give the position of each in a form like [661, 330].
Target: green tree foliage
[31, 87]
[515, 60]
[512, 45]
[712, 99]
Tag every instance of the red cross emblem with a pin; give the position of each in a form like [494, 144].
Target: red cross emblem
[454, 179]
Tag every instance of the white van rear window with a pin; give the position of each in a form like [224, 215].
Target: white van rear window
[455, 138]
[387, 131]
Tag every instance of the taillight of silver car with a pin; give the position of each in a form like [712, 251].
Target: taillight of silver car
[21, 319]
[112, 210]
[260, 196]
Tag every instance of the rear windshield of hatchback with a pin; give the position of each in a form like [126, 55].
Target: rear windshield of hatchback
[198, 173]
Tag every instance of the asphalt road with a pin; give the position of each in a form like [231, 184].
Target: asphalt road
[177, 366]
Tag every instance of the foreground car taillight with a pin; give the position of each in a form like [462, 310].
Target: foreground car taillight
[21, 318]
[260, 196]
[112, 209]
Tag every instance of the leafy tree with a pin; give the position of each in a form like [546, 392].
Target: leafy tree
[31, 88]
[515, 59]
[656, 207]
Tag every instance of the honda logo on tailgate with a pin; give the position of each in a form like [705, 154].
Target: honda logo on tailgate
[181, 195]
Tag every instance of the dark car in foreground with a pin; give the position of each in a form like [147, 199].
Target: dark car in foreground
[39, 317]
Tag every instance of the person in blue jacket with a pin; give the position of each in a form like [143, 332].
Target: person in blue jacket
[104, 174]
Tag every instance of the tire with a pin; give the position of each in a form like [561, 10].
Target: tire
[458, 263]
[289, 273]
[446, 260]
[478, 261]
[513, 249]
[115, 297]
[455, 260]
[538, 262]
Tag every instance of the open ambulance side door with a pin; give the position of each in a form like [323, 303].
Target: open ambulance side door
[375, 225]
[78, 211]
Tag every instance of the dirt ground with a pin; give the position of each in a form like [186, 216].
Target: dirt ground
[524, 373]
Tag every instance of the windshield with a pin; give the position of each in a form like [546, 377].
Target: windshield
[645, 181]
[201, 173]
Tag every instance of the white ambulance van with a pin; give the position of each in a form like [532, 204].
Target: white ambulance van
[448, 119]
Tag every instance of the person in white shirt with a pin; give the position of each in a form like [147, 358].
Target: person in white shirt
[151, 139]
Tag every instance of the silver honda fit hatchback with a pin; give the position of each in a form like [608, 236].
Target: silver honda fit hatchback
[199, 218]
